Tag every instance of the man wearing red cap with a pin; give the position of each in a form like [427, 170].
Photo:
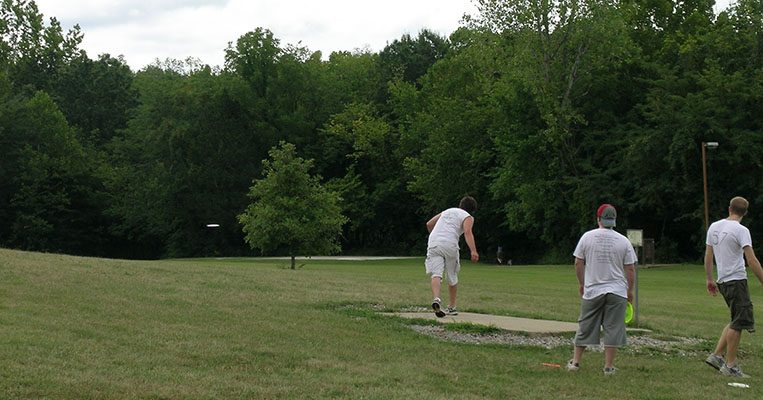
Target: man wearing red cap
[604, 264]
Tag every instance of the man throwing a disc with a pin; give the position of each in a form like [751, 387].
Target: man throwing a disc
[445, 230]
[604, 264]
[729, 242]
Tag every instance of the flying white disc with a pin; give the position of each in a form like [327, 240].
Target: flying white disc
[213, 225]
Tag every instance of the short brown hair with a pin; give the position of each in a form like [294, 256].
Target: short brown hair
[468, 204]
[738, 205]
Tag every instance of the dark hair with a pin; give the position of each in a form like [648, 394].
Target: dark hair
[738, 205]
[468, 204]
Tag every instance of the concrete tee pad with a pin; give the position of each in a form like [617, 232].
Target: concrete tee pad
[536, 326]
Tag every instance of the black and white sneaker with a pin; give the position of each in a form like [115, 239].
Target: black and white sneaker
[715, 361]
[451, 311]
[437, 309]
[734, 371]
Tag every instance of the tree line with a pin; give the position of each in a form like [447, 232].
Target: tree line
[540, 110]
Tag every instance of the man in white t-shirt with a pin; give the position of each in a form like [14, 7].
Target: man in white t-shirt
[443, 259]
[604, 265]
[729, 242]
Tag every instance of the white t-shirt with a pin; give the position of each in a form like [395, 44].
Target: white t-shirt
[449, 228]
[605, 252]
[728, 239]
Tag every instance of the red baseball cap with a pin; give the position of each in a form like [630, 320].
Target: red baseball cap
[607, 215]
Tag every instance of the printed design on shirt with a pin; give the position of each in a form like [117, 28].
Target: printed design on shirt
[717, 237]
[605, 248]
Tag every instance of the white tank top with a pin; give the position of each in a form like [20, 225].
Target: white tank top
[449, 228]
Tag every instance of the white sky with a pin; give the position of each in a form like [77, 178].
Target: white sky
[144, 30]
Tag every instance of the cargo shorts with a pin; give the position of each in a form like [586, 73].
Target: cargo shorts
[737, 296]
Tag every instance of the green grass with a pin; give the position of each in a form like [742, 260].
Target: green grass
[73, 328]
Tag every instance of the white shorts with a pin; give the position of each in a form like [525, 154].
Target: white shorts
[442, 259]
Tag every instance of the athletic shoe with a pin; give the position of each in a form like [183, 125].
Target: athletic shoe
[437, 309]
[610, 371]
[451, 311]
[733, 371]
[715, 361]
[572, 366]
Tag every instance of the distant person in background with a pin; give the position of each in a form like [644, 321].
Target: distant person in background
[604, 265]
[729, 242]
[443, 259]
[499, 255]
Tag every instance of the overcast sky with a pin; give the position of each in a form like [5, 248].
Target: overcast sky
[144, 30]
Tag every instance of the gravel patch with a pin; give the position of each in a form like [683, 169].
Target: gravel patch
[491, 338]
[636, 344]
[414, 309]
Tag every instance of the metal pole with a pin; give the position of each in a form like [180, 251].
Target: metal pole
[635, 296]
[704, 183]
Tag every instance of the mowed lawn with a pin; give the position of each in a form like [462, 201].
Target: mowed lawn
[87, 328]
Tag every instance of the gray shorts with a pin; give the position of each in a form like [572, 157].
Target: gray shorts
[443, 260]
[603, 313]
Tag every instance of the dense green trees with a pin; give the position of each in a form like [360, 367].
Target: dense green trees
[541, 110]
[52, 198]
[52, 191]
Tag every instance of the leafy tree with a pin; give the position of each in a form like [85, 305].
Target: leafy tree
[286, 84]
[32, 53]
[254, 58]
[409, 59]
[291, 210]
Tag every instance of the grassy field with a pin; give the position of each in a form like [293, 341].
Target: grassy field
[86, 328]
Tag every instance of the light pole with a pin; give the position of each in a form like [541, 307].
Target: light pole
[706, 145]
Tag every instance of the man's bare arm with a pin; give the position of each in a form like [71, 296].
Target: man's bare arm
[432, 222]
[580, 273]
[469, 237]
[753, 263]
[630, 275]
[710, 282]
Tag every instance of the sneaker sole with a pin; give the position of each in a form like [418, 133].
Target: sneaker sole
[437, 310]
